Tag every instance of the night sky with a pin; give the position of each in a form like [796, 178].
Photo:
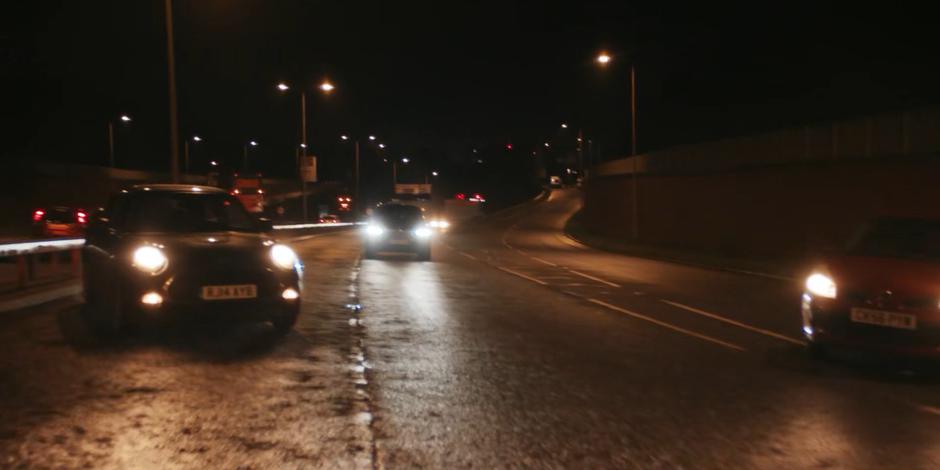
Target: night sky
[441, 78]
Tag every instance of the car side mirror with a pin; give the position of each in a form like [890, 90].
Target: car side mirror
[266, 225]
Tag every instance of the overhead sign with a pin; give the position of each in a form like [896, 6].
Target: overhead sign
[308, 169]
[401, 188]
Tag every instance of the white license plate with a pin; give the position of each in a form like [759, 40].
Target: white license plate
[881, 318]
[244, 291]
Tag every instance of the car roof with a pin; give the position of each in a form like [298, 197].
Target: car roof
[176, 188]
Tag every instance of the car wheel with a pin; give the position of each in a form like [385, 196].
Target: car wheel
[284, 323]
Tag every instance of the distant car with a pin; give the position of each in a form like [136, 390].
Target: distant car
[328, 219]
[59, 222]
[249, 190]
[554, 181]
[187, 253]
[397, 228]
[881, 294]
[471, 197]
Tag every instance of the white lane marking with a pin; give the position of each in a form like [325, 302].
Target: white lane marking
[588, 276]
[573, 243]
[468, 255]
[736, 323]
[668, 325]
[926, 408]
[524, 276]
[540, 260]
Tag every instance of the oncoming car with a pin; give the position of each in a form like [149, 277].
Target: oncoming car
[882, 294]
[176, 252]
[398, 228]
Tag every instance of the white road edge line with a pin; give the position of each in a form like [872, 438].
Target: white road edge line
[736, 323]
[524, 276]
[926, 409]
[668, 325]
[468, 255]
[588, 276]
[540, 260]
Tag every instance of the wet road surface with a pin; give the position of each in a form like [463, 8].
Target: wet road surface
[515, 347]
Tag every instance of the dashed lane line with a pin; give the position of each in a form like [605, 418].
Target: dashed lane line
[524, 276]
[736, 323]
[668, 325]
[593, 278]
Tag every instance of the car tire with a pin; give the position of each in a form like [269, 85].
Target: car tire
[284, 323]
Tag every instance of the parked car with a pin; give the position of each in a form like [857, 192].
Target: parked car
[881, 294]
[59, 221]
[180, 252]
[329, 219]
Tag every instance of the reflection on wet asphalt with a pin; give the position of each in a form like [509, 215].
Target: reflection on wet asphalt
[213, 396]
[456, 363]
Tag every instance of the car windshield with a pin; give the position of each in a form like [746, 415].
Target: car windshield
[899, 238]
[184, 212]
[398, 214]
[60, 215]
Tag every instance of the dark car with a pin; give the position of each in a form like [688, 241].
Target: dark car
[397, 228]
[881, 294]
[59, 221]
[175, 252]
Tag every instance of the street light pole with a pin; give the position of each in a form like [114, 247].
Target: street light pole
[636, 204]
[111, 143]
[171, 72]
[186, 156]
[356, 145]
[303, 152]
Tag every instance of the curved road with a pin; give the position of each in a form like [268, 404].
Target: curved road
[515, 347]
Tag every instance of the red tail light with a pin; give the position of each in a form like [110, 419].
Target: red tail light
[81, 216]
[37, 216]
[461, 196]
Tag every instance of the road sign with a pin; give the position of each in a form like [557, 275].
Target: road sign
[308, 169]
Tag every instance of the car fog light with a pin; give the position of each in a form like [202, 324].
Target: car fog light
[151, 298]
[290, 294]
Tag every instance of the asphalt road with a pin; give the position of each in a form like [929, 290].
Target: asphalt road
[515, 347]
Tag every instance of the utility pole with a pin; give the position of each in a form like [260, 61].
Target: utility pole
[356, 145]
[111, 143]
[303, 152]
[171, 72]
[636, 205]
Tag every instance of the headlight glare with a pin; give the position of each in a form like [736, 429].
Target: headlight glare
[821, 285]
[422, 232]
[374, 230]
[150, 259]
[283, 257]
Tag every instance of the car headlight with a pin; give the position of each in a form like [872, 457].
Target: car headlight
[150, 259]
[422, 232]
[374, 231]
[821, 285]
[283, 257]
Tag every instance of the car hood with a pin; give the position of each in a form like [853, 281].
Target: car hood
[902, 276]
[207, 242]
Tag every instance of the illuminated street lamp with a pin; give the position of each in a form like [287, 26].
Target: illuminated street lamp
[434, 173]
[371, 137]
[547, 145]
[381, 146]
[603, 59]
[251, 143]
[325, 87]
[405, 160]
[124, 119]
[196, 139]
[344, 137]
[564, 125]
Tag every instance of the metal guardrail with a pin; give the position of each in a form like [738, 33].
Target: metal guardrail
[42, 259]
